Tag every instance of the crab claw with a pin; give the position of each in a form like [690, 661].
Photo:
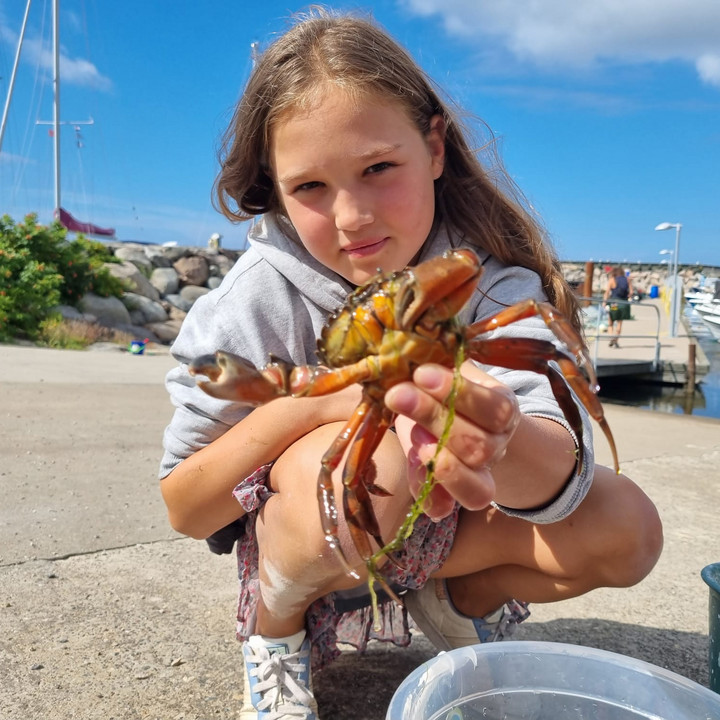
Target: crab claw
[437, 290]
[231, 377]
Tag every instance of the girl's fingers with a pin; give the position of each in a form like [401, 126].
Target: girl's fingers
[486, 415]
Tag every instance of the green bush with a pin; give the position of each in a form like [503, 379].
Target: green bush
[40, 268]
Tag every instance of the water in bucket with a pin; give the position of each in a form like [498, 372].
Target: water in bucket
[517, 680]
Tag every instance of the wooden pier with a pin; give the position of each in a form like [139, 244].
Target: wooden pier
[647, 352]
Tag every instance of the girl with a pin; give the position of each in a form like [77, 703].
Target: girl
[352, 162]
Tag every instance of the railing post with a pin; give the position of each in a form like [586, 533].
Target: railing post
[587, 285]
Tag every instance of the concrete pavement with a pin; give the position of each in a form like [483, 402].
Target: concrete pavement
[105, 612]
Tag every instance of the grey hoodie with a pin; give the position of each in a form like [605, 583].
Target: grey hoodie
[276, 299]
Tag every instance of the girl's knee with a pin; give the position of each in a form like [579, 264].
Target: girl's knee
[633, 536]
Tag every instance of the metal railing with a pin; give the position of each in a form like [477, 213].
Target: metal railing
[593, 329]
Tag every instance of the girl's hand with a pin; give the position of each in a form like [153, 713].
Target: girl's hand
[486, 416]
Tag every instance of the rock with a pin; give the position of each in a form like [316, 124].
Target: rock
[151, 311]
[68, 312]
[192, 270]
[133, 279]
[179, 302]
[220, 264]
[157, 257]
[136, 255]
[175, 313]
[166, 332]
[165, 280]
[191, 293]
[108, 311]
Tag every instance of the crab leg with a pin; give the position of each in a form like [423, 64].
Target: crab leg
[325, 488]
[554, 319]
[359, 480]
[535, 355]
[364, 430]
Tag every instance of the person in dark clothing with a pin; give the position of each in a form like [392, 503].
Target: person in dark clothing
[619, 288]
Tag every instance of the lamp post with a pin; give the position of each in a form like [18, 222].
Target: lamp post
[667, 262]
[675, 301]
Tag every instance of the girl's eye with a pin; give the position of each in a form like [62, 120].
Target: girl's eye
[303, 187]
[378, 167]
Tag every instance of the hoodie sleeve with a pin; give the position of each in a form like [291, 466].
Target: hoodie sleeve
[254, 313]
[503, 285]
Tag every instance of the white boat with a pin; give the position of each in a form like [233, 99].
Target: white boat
[707, 292]
[698, 297]
[713, 323]
[712, 308]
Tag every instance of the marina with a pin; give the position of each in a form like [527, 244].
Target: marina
[650, 369]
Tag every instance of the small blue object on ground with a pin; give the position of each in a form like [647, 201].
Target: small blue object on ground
[137, 347]
[654, 291]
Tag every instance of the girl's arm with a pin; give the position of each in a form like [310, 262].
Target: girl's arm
[198, 492]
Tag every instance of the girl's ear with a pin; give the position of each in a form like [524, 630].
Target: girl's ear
[436, 145]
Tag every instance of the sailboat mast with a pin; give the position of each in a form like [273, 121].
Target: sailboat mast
[3, 124]
[56, 99]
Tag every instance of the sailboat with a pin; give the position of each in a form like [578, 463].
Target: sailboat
[67, 220]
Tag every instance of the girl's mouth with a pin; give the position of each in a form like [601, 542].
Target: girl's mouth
[366, 249]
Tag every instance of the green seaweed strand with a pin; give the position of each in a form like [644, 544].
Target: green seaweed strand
[416, 508]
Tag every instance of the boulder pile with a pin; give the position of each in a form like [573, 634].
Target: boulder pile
[642, 277]
[162, 283]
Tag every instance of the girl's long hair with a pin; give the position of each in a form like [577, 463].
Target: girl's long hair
[475, 196]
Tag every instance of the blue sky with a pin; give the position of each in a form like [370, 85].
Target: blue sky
[607, 112]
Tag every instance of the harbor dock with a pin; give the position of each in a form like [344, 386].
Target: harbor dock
[646, 350]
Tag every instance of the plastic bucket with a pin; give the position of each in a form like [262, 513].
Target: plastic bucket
[711, 575]
[517, 680]
[654, 291]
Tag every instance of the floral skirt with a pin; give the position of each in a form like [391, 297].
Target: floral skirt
[423, 553]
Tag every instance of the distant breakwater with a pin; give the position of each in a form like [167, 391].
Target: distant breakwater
[643, 276]
[164, 282]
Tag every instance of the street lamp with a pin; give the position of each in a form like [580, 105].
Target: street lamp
[676, 301]
[667, 262]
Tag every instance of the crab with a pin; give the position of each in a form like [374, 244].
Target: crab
[386, 328]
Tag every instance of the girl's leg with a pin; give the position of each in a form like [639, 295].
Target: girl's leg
[296, 565]
[614, 539]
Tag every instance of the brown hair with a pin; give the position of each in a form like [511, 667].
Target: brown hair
[479, 201]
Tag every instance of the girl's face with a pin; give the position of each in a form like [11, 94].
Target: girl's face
[356, 179]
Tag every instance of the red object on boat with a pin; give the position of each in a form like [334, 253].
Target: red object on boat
[74, 225]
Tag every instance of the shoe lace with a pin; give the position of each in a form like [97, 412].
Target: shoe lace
[513, 613]
[283, 693]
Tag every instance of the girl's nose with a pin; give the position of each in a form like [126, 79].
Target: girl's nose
[351, 211]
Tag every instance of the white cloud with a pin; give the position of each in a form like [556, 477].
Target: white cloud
[708, 67]
[74, 71]
[586, 32]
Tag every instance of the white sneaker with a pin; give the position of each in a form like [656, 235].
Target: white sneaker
[278, 683]
[433, 612]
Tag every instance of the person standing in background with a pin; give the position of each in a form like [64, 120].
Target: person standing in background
[619, 288]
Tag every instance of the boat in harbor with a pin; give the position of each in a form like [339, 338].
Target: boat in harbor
[710, 308]
[706, 293]
[713, 324]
